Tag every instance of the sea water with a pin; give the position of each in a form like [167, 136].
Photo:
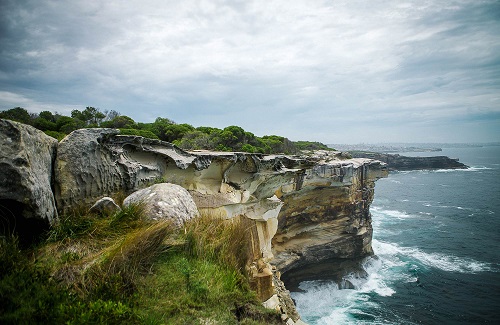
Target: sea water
[436, 236]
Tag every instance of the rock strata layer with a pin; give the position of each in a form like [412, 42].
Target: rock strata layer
[328, 216]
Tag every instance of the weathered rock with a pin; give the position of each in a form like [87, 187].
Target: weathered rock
[315, 206]
[92, 163]
[328, 216]
[26, 161]
[165, 201]
[106, 206]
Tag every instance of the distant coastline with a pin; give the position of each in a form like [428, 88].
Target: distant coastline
[406, 147]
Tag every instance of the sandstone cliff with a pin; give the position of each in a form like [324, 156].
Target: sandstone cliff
[328, 215]
[298, 209]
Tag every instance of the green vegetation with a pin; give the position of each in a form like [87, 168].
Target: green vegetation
[122, 268]
[308, 145]
[231, 138]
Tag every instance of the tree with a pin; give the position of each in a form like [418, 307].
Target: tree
[176, 131]
[46, 115]
[44, 125]
[279, 144]
[120, 122]
[66, 124]
[112, 114]
[233, 137]
[158, 127]
[89, 116]
[17, 114]
[195, 140]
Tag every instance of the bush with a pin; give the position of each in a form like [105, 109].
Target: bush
[56, 135]
[142, 133]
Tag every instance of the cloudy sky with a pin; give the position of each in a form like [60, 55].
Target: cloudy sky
[336, 71]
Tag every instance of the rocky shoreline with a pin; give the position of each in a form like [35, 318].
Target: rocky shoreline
[402, 163]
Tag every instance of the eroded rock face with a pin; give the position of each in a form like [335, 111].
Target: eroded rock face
[165, 202]
[26, 162]
[328, 216]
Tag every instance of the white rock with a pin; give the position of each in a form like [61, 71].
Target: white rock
[165, 201]
[105, 205]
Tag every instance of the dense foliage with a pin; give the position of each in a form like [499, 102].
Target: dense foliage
[231, 138]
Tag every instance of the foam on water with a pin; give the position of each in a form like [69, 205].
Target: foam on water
[470, 169]
[391, 213]
[440, 261]
[324, 303]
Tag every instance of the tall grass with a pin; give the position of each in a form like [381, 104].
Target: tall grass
[124, 268]
[218, 239]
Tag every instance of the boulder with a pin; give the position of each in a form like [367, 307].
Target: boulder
[106, 206]
[26, 162]
[165, 201]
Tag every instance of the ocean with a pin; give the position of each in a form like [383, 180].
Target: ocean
[436, 236]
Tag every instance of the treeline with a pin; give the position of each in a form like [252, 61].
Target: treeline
[186, 136]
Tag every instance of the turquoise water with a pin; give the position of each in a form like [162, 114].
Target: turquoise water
[436, 240]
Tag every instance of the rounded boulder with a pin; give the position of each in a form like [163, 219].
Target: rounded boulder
[165, 201]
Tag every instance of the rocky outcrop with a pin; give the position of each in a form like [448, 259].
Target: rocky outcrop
[297, 209]
[398, 162]
[165, 202]
[26, 161]
[328, 215]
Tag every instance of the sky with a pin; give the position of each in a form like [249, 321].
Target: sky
[335, 71]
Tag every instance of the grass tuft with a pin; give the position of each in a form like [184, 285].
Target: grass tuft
[219, 239]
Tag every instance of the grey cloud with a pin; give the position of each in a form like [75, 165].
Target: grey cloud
[304, 69]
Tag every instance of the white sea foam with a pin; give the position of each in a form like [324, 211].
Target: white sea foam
[391, 213]
[449, 263]
[325, 303]
[470, 169]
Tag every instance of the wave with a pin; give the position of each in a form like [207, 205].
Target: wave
[470, 169]
[429, 205]
[428, 171]
[391, 213]
[444, 262]
[323, 302]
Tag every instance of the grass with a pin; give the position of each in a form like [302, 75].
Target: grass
[122, 268]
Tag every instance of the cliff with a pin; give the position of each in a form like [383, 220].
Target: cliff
[298, 209]
[398, 162]
[328, 216]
